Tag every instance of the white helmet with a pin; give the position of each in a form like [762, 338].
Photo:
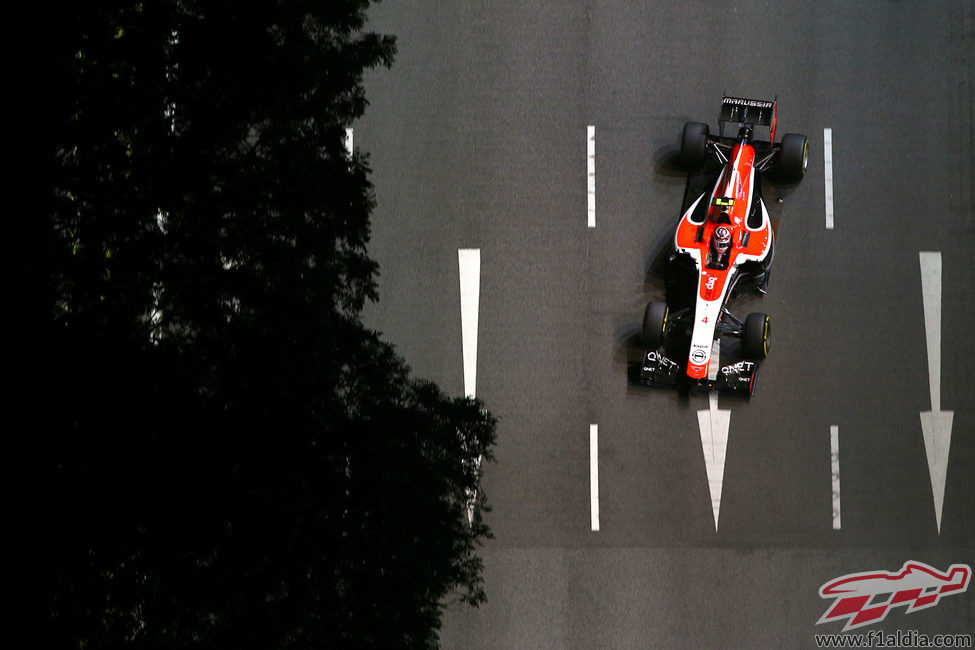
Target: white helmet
[721, 240]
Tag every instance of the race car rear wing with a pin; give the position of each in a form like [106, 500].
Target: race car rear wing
[740, 110]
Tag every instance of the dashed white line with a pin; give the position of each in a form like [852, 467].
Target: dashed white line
[591, 169]
[594, 476]
[935, 424]
[834, 454]
[828, 161]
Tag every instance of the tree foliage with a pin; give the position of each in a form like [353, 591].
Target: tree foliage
[228, 458]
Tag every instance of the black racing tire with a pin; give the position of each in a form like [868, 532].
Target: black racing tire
[755, 336]
[694, 145]
[654, 324]
[793, 157]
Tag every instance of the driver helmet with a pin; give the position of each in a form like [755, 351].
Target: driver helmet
[721, 240]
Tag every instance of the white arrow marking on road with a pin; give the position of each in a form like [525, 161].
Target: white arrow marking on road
[469, 260]
[591, 169]
[935, 424]
[594, 476]
[828, 158]
[469, 263]
[714, 424]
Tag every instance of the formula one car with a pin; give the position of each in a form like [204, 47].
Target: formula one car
[723, 246]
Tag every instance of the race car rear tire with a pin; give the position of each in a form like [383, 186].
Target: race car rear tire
[694, 145]
[793, 157]
[755, 336]
[654, 324]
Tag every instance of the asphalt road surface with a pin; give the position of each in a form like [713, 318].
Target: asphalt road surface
[478, 140]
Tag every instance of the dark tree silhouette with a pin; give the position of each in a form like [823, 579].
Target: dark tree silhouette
[225, 456]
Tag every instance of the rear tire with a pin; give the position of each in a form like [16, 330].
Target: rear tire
[655, 324]
[793, 157]
[694, 145]
[755, 336]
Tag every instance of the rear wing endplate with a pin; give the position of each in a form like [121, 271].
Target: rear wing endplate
[741, 110]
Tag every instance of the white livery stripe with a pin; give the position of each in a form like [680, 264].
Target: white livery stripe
[702, 336]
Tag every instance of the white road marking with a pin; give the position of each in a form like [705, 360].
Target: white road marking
[931, 295]
[348, 142]
[935, 424]
[828, 158]
[834, 454]
[713, 365]
[469, 264]
[594, 476]
[591, 168]
[714, 424]
[469, 261]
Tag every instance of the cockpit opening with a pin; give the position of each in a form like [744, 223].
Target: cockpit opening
[720, 248]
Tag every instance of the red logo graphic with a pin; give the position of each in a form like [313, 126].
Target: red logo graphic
[865, 598]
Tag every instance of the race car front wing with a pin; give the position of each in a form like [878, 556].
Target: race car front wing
[735, 378]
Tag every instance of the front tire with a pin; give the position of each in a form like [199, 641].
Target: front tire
[755, 336]
[654, 324]
[694, 145]
[793, 157]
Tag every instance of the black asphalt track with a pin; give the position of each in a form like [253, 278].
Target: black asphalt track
[477, 138]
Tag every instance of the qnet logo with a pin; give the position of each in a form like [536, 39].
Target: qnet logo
[866, 598]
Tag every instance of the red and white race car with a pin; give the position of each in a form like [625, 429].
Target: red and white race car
[723, 245]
